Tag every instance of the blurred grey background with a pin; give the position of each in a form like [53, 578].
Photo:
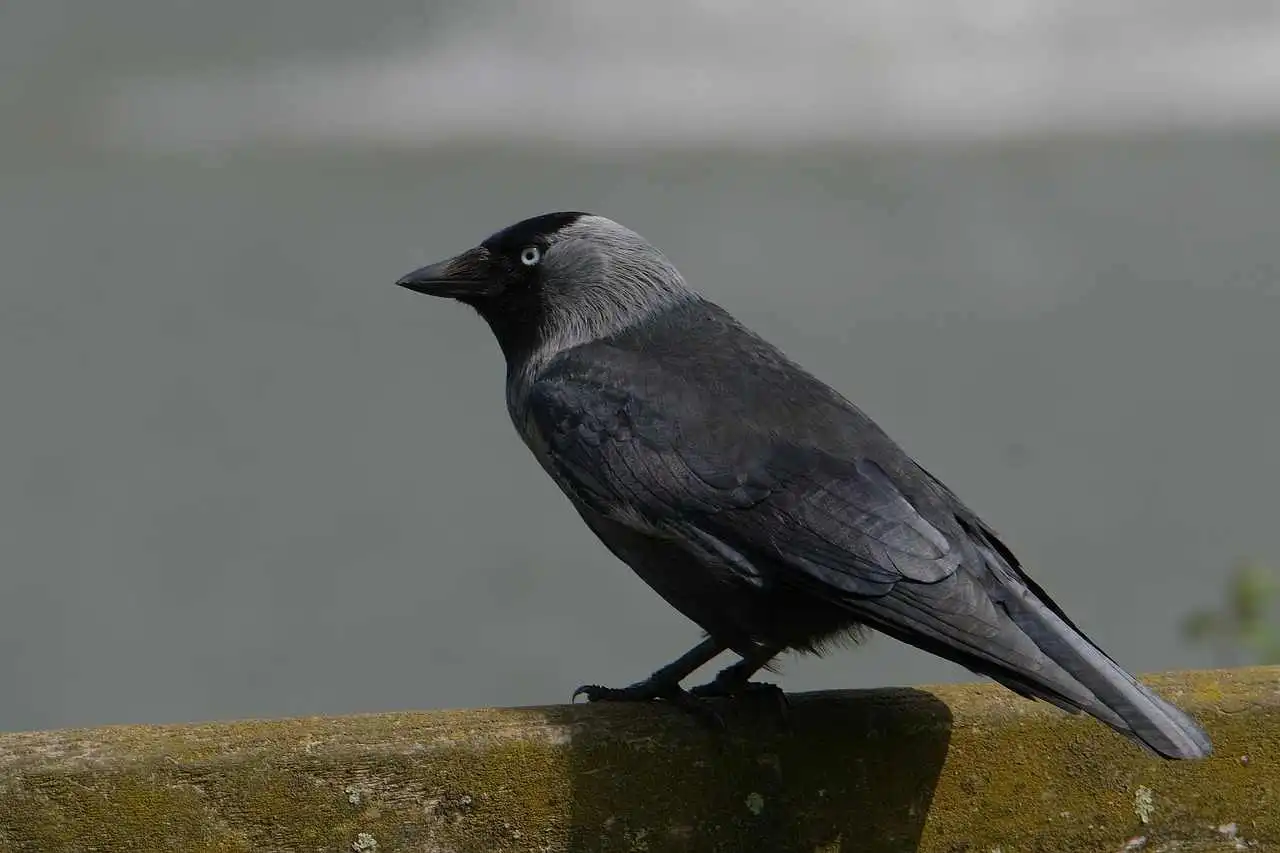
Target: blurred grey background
[243, 475]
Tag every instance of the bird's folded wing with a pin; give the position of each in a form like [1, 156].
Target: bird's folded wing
[840, 522]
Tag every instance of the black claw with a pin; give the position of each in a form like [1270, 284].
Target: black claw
[642, 691]
[593, 692]
[772, 693]
[648, 691]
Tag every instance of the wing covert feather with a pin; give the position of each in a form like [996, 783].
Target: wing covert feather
[841, 523]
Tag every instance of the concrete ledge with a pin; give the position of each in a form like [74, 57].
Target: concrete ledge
[951, 769]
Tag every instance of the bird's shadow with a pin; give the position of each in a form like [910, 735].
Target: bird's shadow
[852, 771]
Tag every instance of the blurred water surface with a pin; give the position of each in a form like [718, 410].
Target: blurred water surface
[242, 474]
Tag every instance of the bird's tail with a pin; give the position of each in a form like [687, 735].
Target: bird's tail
[1113, 695]
[1122, 702]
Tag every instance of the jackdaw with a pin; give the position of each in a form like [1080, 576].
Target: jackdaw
[755, 499]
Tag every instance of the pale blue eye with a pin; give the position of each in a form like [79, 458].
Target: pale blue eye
[530, 256]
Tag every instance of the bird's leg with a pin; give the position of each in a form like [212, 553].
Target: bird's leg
[735, 680]
[664, 684]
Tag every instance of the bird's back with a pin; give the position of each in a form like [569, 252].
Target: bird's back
[728, 391]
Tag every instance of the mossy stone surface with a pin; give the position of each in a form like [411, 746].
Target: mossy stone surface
[950, 769]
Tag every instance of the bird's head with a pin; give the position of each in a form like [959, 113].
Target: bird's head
[556, 281]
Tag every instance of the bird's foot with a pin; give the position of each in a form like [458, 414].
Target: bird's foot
[651, 690]
[761, 691]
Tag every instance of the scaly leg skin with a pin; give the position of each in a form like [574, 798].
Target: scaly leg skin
[665, 685]
[735, 681]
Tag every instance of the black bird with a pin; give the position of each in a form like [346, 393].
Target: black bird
[755, 499]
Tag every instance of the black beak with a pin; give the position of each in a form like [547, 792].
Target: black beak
[461, 277]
